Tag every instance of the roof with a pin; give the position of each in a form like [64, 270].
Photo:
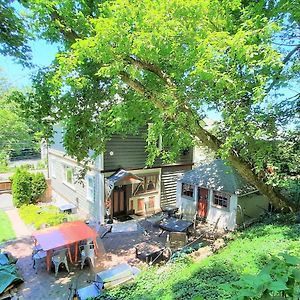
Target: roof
[219, 176]
[123, 177]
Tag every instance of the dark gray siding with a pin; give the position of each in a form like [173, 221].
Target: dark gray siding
[169, 177]
[130, 153]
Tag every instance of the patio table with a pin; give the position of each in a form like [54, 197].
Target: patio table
[64, 235]
[175, 225]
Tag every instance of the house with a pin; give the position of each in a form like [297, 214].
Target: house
[118, 182]
[216, 192]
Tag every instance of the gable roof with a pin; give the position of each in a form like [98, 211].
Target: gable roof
[219, 176]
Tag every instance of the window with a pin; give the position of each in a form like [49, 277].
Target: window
[68, 175]
[149, 184]
[187, 190]
[221, 200]
[52, 168]
[90, 188]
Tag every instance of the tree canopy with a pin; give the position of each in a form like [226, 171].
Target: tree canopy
[14, 34]
[124, 64]
[16, 132]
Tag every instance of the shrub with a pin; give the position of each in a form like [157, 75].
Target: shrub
[38, 187]
[21, 187]
[27, 187]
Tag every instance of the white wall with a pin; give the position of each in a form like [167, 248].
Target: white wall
[227, 217]
[188, 204]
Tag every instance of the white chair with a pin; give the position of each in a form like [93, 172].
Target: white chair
[87, 251]
[37, 254]
[60, 257]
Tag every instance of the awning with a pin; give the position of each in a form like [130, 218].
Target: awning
[121, 177]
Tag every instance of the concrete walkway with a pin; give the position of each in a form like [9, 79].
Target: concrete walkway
[20, 229]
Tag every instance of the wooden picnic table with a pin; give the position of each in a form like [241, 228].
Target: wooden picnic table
[64, 235]
[175, 225]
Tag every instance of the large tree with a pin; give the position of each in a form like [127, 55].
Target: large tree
[124, 64]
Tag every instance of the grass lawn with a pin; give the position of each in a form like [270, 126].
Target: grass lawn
[37, 216]
[247, 254]
[6, 230]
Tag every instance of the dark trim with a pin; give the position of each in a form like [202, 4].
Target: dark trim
[155, 167]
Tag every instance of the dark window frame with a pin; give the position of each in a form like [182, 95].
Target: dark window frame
[187, 190]
[221, 200]
[142, 187]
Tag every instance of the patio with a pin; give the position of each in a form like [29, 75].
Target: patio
[114, 248]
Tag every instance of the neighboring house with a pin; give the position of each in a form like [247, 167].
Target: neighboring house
[216, 191]
[118, 181]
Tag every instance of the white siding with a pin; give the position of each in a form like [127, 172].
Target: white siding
[76, 193]
[227, 217]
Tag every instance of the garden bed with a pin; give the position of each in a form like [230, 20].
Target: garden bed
[42, 216]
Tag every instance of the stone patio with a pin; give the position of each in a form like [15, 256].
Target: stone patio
[114, 248]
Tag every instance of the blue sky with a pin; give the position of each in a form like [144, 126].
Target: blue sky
[42, 52]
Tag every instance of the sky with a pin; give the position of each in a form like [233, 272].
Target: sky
[42, 53]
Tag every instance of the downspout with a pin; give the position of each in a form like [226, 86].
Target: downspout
[99, 190]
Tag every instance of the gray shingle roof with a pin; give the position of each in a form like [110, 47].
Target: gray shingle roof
[218, 176]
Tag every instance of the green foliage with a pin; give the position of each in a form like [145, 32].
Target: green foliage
[279, 278]
[14, 35]
[39, 186]
[252, 252]
[38, 216]
[16, 132]
[27, 187]
[6, 230]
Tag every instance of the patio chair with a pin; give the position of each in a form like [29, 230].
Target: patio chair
[212, 230]
[176, 241]
[190, 216]
[87, 251]
[60, 257]
[37, 254]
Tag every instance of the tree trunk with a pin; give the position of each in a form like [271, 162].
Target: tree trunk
[245, 170]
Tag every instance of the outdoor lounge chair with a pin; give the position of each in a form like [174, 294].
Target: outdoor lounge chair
[87, 251]
[211, 233]
[60, 257]
[117, 275]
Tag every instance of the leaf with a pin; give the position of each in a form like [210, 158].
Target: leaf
[277, 286]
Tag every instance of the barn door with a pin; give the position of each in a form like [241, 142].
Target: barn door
[202, 202]
[119, 201]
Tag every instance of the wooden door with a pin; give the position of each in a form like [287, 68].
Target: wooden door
[202, 202]
[119, 201]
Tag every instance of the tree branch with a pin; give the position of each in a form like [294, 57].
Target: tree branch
[212, 142]
[285, 60]
[68, 33]
[152, 68]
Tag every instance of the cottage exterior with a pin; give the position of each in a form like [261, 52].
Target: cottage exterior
[139, 190]
[215, 191]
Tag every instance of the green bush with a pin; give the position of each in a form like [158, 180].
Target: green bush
[37, 215]
[38, 187]
[27, 187]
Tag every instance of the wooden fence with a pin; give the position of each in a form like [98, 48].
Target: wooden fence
[5, 187]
